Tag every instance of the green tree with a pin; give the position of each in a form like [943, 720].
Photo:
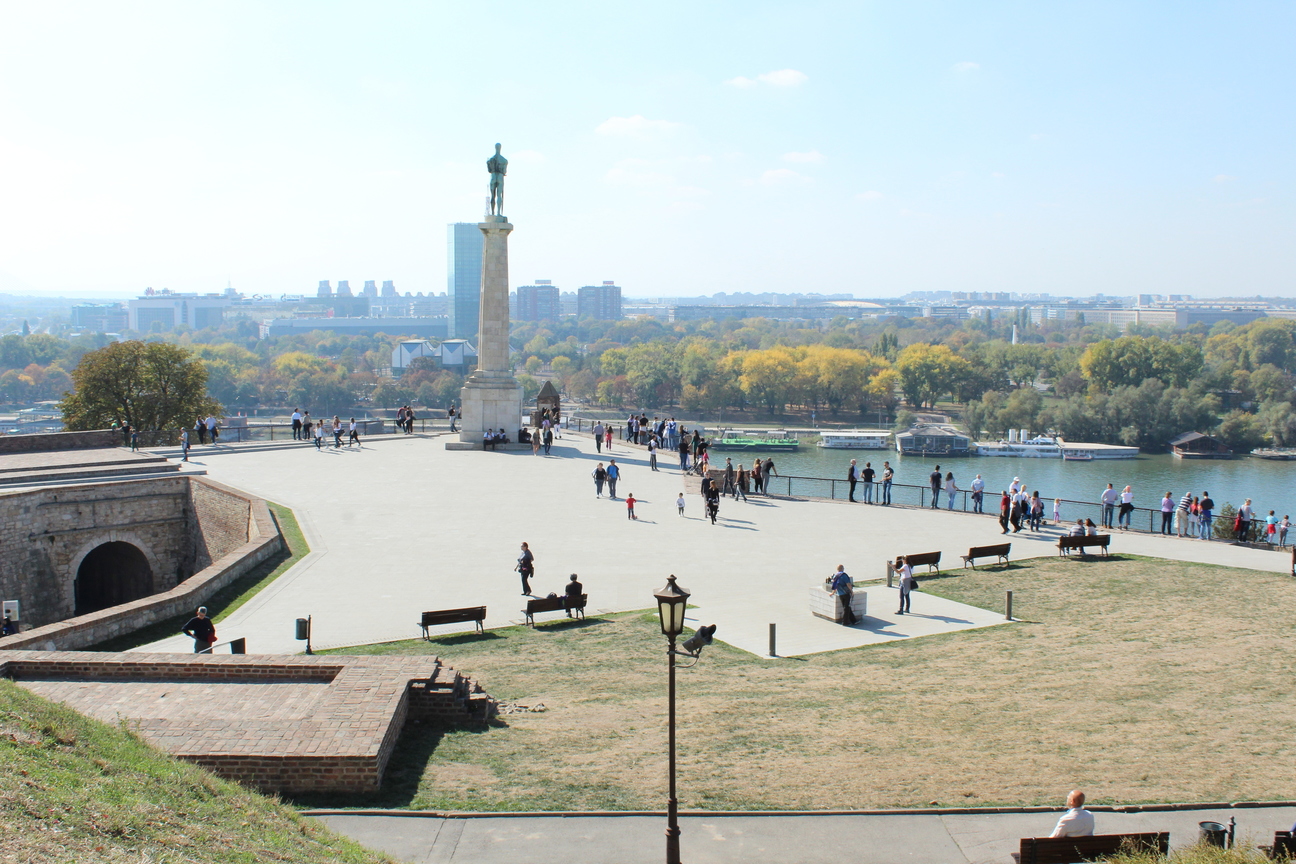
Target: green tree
[150, 385]
[1131, 360]
[1241, 431]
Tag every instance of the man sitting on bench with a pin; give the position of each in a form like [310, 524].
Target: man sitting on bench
[574, 591]
[1077, 821]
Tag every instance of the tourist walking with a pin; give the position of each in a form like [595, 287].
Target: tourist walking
[548, 440]
[200, 629]
[1108, 499]
[354, 430]
[935, 481]
[1015, 512]
[613, 475]
[906, 583]
[450, 413]
[598, 437]
[951, 488]
[184, 445]
[296, 423]
[535, 442]
[630, 502]
[844, 587]
[1126, 513]
[679, 503]
[741, 483]
[1036, 511]
[1004, 505]
[526, 568]
[978, 494]
[213, 428]
[319, 435]
[200, 427]
[867, 476]
[729, 476]
[600, 477]
[888, 474]
[607, 437]
[852, 477]
[1167, 514]
[1204, 515]
[337, 432]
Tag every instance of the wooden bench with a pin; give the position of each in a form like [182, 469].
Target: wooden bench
[1000, 551]
[554, 604]
[476, 614]
[1066, 544]
[931, 559]
[1070, 850]
[1283, 848]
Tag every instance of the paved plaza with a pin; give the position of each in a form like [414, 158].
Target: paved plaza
[403, 525]
[917, 838]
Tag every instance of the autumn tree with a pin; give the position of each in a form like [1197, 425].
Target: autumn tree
[149, 385]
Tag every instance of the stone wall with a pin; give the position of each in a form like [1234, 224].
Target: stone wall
[168, 519]
[92, 440]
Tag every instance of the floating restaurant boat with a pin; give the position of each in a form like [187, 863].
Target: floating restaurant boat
[1038, 447]
[932, 440]
[773, 442]
[854, 440]
[1072, 452]
[1284, 454]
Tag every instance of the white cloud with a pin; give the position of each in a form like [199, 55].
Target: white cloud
[810, 156]
[636, 125]
[871, 195]
[965, 67]
[781, 176]
[779, 78]
[1223, 178]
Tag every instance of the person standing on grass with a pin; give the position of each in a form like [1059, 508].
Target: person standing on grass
[978, 494]
[296, 424]
[1204, 516]
[1126, 513]
[613, 475]
[200, 629]
[630, 502]
[600, 477]
[526, 569]
[1108, 499]
[844, 587]
[867, 476]
[1182, 514]
[598, 437]
[906, 583]
[1076, 821]
[888, 474]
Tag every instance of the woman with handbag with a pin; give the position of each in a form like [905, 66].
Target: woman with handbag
[907, 583]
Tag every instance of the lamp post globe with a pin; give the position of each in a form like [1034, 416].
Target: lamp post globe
[672, 600]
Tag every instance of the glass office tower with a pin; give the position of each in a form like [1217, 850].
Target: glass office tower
[464, 262]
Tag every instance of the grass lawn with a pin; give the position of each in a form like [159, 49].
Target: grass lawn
[223, 603]
[73, 789]
[1136, 679]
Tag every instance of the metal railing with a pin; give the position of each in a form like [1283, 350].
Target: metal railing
[282, 432]
[908, 495]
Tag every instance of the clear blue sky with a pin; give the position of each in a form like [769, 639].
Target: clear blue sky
[678, 148]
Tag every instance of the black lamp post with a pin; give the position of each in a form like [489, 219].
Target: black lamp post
[671, 602]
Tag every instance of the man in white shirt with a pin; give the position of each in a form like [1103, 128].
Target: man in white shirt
[1109, 497]
[1077, 821]
[978, 494]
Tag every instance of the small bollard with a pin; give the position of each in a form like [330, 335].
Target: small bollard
[773, 646]
[890, 572]
[1008, 604]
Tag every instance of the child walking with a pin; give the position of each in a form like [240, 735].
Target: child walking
[630, 502]
[679, 502]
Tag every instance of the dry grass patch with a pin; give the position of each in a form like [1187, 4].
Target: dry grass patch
[1137, 679]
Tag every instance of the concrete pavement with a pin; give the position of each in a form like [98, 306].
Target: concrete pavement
[917, 838]
[403, 525]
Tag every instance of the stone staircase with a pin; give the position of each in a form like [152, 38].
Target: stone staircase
[88, 470]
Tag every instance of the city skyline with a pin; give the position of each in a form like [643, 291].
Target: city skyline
[738, 148]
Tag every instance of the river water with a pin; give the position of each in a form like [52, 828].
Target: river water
[1268, 483]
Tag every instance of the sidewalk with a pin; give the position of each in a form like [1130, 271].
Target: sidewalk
[915, 838]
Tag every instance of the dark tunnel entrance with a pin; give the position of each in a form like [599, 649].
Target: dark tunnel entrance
[113, 573]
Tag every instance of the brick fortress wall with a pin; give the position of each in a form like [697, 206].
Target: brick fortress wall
[198, 536]
[49, 441]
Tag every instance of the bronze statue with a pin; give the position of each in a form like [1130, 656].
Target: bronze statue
[497, 165]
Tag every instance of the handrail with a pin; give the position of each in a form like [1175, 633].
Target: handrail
[237, 646]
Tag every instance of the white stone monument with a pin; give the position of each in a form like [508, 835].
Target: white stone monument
[492, 398]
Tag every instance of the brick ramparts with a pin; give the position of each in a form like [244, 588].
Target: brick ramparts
[47, 441]
[277, 723]
[222, 530]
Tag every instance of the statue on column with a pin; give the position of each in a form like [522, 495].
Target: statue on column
[497, 165]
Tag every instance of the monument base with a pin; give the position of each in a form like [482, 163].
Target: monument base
[489, 402]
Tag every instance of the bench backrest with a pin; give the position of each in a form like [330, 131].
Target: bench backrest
[987, 551]
[450, 616]
[552, 604]
[1068, 850]
[924, 558]
[1085, 540]
[1284, 845]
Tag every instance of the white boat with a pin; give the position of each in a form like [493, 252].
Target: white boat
[1074, 452]
[1038, 447]
[853, 440]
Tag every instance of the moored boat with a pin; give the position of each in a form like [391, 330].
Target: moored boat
[854, 440]
[774, 442]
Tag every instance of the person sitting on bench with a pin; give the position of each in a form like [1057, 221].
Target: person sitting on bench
[1077, 821]
[574, 591]
[1078, 529]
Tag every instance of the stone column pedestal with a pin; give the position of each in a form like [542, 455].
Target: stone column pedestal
[492, 397]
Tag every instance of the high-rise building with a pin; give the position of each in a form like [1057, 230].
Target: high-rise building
[370, 289]
[389, 288]
[601, 302]
[344, 288]
[325, 289]
[464, 262]
[538, 302]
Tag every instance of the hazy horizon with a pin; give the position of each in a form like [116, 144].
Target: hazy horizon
[860, 148]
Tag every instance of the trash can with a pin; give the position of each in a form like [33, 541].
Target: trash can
[1212, 834]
